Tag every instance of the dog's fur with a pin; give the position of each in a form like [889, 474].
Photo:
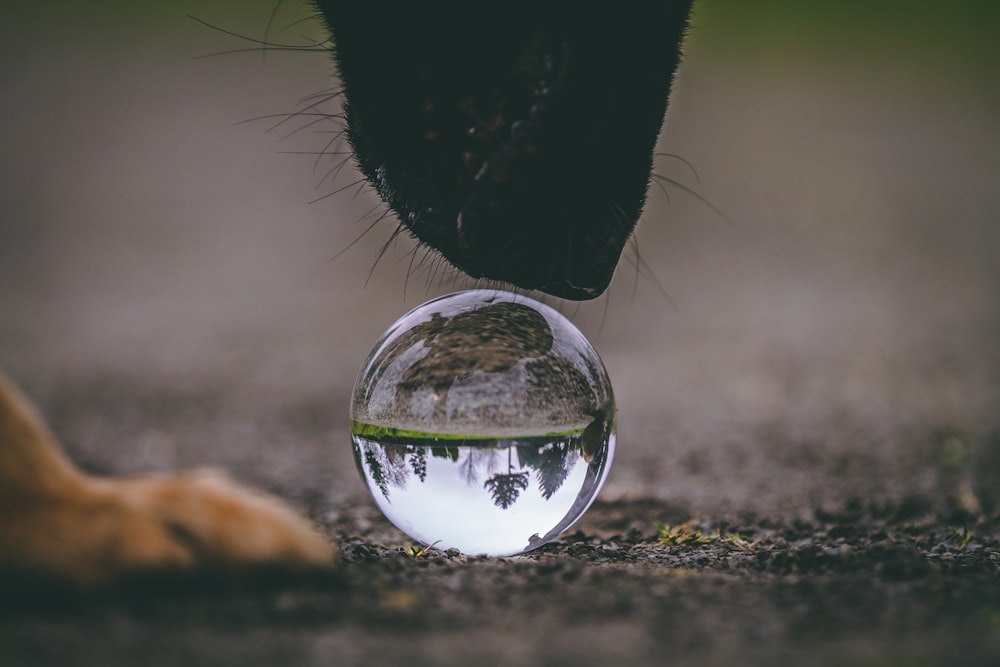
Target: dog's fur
[520, 145]
[520, 148]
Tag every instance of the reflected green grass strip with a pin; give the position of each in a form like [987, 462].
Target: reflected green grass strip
[389, 433]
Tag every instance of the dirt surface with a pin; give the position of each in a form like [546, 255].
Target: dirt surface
[812, 411]
[886, 586]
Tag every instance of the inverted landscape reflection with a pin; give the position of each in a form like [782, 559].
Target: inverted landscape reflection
[496, 497]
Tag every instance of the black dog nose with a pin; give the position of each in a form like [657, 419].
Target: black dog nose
[534, 244]
[520, 150]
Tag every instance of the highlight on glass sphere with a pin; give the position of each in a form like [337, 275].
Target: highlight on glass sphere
[483, 421]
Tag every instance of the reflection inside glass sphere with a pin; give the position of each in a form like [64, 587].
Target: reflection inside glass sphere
[483, 421]
[497, 497]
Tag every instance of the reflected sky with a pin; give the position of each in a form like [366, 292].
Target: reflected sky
[497, 498]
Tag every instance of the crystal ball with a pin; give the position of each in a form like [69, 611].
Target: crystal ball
[483, 421]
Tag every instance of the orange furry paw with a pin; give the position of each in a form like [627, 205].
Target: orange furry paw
[114, 527]
[56, 521]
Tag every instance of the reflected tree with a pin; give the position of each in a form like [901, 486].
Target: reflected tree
[418, 461]
[376, 470]
[506, 487]
[551, 463]
[386, 465]
[445, 452]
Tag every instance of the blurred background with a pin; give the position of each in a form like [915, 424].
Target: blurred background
[171, 298]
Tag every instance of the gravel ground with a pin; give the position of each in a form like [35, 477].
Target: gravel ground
[863, 587]
[812, 413]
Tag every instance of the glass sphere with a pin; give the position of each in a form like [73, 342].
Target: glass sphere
[483, 421]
